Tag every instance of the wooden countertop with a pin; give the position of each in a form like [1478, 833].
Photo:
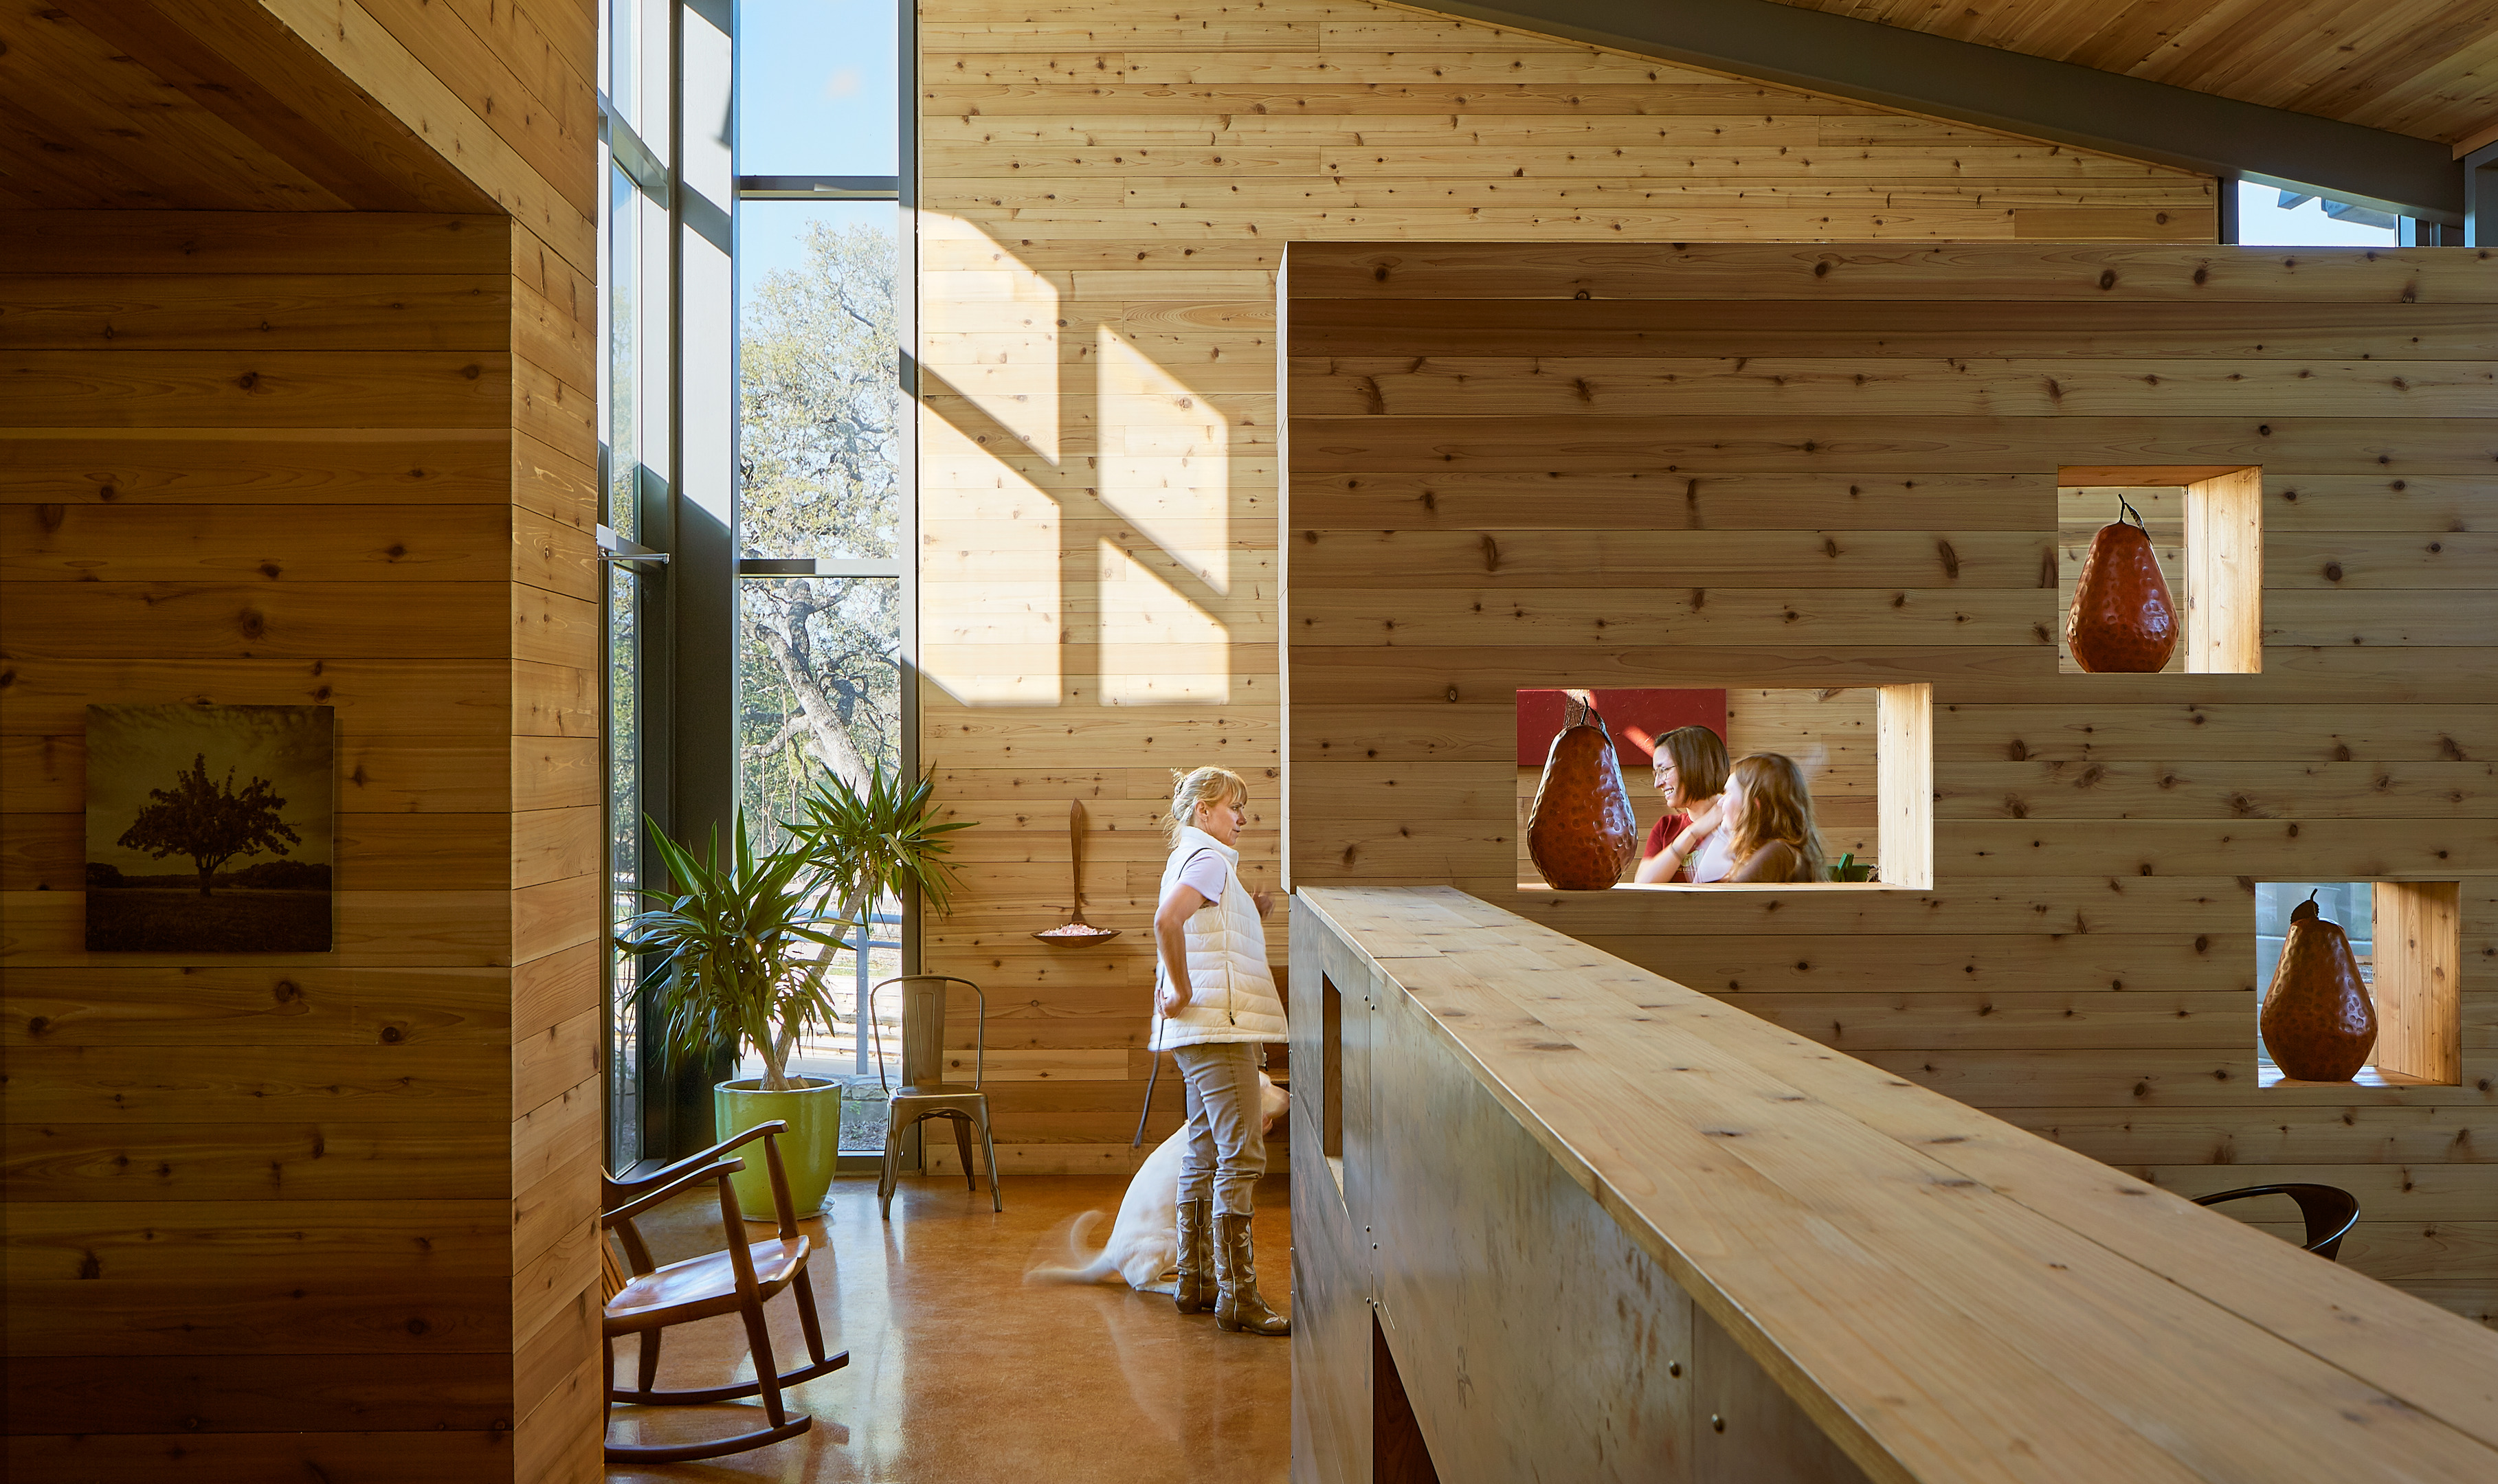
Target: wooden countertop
[1949, 1297]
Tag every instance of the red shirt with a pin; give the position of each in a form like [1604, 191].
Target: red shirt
[1662, 835]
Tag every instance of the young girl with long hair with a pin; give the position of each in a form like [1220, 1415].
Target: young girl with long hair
[1768, 814]
[1214, 1001]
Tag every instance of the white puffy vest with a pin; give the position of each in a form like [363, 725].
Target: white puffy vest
[1232, 994]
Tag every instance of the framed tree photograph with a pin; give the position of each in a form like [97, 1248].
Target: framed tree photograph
[208, 829]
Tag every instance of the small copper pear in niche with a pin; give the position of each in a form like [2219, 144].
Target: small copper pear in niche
[1581, 832]
[2318, 1021]
[2123, 619]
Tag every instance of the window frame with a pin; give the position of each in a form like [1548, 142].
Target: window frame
[683, 57]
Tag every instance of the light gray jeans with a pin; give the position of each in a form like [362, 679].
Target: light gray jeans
[1225, 1150]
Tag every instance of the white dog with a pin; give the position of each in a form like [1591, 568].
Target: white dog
[1145, 1242]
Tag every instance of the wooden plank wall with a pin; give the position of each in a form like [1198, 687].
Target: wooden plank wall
[1105, 193]
[1810, 467]
[344, 458]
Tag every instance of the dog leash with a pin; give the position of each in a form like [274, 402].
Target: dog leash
[1147, 1110]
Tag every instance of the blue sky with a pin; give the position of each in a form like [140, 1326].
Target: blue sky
[2262, 224]
[817, 96]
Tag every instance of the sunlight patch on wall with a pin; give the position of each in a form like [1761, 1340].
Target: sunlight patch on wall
[990, 330]
[1165, 459]
[992, 601]
[1157, 647]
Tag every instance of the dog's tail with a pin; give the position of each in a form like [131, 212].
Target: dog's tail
[1093, 1268]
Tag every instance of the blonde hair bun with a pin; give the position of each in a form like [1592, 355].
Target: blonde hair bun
[1194, 790]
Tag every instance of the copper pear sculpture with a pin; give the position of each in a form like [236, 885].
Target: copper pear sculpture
[1581, 832]
[2317, 1020]
[2123, 619]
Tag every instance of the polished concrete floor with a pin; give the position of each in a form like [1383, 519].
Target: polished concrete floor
[961, 1372]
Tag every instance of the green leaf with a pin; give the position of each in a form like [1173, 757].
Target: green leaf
[728, 942]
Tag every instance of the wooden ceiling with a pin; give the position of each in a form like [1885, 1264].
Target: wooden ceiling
[177, 105]
[2425, 68]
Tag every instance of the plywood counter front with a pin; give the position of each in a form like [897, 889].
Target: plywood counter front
[1557, 1216]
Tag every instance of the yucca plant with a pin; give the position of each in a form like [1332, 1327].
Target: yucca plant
[742, 946]
[882, 841]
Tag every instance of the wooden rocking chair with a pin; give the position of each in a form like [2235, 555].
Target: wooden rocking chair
[645, 1298]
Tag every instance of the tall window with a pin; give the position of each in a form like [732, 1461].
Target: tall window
[819, 480]
[820, 342]
[754, 506]
[823, 512]
[634, 424]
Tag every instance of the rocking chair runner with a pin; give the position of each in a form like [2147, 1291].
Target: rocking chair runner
[649, 1297]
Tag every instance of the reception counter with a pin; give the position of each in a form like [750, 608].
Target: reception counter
[1559, 1217]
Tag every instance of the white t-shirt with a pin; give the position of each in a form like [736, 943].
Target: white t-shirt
[1715, 859]
[1205, 872]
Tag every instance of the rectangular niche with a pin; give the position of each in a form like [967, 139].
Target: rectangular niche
[2408, 939]
[2206, 524]
[1866, 752]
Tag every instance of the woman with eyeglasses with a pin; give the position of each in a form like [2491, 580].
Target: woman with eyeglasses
[1686, 844]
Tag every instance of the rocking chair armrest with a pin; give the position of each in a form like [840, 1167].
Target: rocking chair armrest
[625, 1187]
[690, 1178]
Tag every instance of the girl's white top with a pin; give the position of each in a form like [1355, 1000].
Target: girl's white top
[1715, 859]
[1232, 994]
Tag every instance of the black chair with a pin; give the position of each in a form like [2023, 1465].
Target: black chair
[2330, 1212]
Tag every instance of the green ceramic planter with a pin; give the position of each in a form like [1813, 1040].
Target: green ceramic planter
[809, 1151]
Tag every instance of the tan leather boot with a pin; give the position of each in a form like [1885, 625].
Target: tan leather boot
[1194, 1294]
[1237, 1308]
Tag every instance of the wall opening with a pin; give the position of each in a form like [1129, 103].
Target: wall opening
[1866, 753]
[2206, 527]
[2407, 937]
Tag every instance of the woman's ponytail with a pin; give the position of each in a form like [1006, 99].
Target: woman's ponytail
[1192, 791]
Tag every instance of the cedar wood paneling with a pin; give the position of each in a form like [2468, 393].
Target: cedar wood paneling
[2084, 964]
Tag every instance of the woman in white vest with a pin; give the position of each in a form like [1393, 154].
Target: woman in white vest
[1214, 1004]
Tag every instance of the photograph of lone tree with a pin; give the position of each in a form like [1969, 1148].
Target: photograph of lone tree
[208, 829]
